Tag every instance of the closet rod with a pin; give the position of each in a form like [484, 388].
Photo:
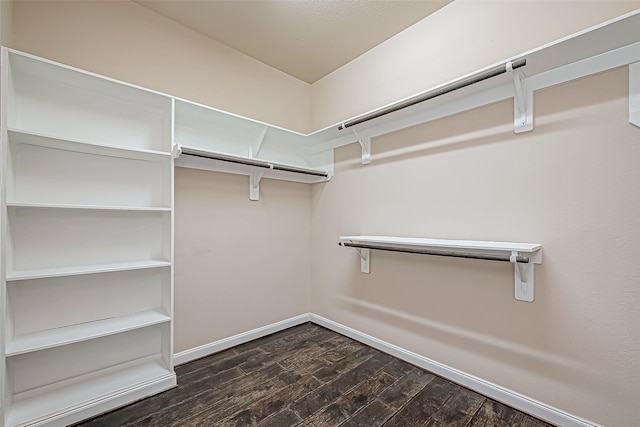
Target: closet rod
[251, 162]
[459, 84]
[504, 258]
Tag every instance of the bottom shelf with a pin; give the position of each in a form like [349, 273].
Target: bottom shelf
[71, 401]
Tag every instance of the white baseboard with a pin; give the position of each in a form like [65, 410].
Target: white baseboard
[486, 388]
[225, 343]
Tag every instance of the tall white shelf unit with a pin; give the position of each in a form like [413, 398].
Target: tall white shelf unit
[87, 261]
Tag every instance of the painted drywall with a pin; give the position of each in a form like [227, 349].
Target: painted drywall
[126, 41]
[571, 184]
[460, 38]
[239, 265]
[6, 22]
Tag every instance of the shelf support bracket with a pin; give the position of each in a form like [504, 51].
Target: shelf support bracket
[176, 151]
[634, 94]
[254, 183]
[365, 142]
[365, 255]
[255, 147]
[522, 102]
[523, 278]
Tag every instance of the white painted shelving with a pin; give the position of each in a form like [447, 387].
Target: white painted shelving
[211, 139]
[522, 255]
[87, 250]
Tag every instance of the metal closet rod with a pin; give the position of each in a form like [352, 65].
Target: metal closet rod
[255, 163]
[503, 258]
[492, 72]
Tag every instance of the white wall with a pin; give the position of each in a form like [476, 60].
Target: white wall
[571, 184]
[458, 39]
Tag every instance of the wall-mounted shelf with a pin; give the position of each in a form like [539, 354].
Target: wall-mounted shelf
[210, 139]
[612, 44]
[254, 168]
[522, 255]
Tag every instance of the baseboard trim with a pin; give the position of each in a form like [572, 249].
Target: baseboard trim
[486, 388]
[225, 343]
[509, 397]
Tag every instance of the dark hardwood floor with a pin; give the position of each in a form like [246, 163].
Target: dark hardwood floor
[310, 376]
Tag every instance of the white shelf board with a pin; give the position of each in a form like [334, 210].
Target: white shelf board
[89, 207]
[87, 390]
[427, 243]
[87, 269]
[85, 331]
[49, 141]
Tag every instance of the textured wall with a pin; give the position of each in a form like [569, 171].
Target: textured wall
[571, 184]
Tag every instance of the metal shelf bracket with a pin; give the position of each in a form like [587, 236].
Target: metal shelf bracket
[634, 94]
[365, 142]
[522, 102]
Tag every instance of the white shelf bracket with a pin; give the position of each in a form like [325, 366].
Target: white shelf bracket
[634, 94]
[523, 278]
[365, 142]
[522, 102]
[255, 147]
[365, 255]
[176, 151]
[254, 183]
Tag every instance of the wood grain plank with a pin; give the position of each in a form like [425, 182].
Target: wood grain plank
[457, 410]
[286, 418]
[405, 389]
[331, 391]
[423, 405]
[238, 401]
[373, 415]
[344, 365]
[351, 402]
[261, 409]
[493, 414]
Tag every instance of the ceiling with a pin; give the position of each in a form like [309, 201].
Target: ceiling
[307, 39]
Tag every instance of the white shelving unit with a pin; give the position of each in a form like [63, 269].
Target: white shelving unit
[87, 232]
[211, 139]
[522, 255]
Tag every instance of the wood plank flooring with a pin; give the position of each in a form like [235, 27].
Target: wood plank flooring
[310, 376]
